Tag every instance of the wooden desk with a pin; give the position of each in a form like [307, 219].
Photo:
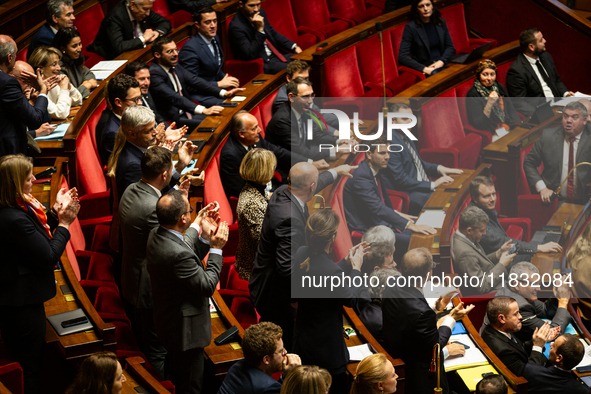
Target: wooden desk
[136, 375]
[4, 390]
[505, 156]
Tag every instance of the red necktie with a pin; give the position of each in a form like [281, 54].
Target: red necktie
[380, 188]
[275, 51]
[570, 189]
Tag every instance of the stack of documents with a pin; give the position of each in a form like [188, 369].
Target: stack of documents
[358, 353]
[471, 376]
[473, 357]
[434, 219]
[57, 134]
[105, 68]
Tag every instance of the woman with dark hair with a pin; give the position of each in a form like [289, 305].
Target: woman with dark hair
[319, 320]
[100, 373]
[488, 106]
[32, 244]
[426, 44]
[67, 40]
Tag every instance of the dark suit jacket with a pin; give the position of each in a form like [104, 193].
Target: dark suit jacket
[181, 287]
[402, 173]
[196, 58]
[116, 35]
[371, 317]
[16, 114]
[319, 320]
[523, 82]
[42, 37]
[549, 150]
[188, 5]
[549, 380]
[245, 379]
[247, 43]
[137, 210]
[28, 257]
[108, 134]
[152, 106]
[410, 328]
[363, 205]
[283, 231]
[170, 103]
[416, 44]
[283, 130]
[475, 104]
[515, 355]
[233, 153]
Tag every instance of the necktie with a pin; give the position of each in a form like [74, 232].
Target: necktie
[417, 161]
[302, 126]
[135, 35]
[145, 102]
[546, 78]
[216, 52]
[179, 89]
[306, 213]
[570, 188]
[275, 51]
[380, 187]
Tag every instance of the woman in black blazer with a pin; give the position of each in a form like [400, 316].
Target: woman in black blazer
[488, 106]
[29, 254]
[318, 334]
[426, 44]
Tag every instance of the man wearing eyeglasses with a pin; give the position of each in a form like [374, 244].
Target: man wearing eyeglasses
[124, 91]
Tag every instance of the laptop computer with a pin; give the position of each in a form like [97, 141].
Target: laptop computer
[463, 58]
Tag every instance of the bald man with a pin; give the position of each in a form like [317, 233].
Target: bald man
[16, 114]
[283, 232]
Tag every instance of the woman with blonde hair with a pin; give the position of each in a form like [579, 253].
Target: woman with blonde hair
[100, 373]
[578, 259]
[375, 375]
[62, 97]
[319, 320]
[257, 169]
[308, 379]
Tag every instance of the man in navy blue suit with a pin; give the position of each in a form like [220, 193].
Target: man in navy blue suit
[410, 174]
[172, 86]
[253, 37]
[59, 13]
[264, 355]
[16, 114]
[202, 55]
[366, 202]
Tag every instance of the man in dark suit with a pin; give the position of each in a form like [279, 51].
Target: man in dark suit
[413, 337]
[59, 13]
[253, 37]
[137, 210]
[560, 149]
[565, 354]
[410, 174]
[283, 231]
[141, 72]
[172, 86]
[130, 25]
[137, 124]
[264, 355]
[288, 127]
[366, 202]
[123, 92]
[468, 257]
[484, 196]
[244, 136]
[16, 114]
[191, 5]
[181, 285]
[202, 56]
[503, 313]
[533, 73]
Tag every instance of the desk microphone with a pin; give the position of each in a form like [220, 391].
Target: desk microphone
[379, 29]
[554, 195]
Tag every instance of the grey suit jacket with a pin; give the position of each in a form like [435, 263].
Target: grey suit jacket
[181, 287]
[549, 150]
[467, 259]
[137, 210]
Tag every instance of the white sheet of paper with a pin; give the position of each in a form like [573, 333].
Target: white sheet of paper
[587, 357]
[101, 75]
[111, 65]
[436, 291]
[501, 131]
[432, 218]
[358, 353]
[472, 356]
[238, 98]
[565, 100]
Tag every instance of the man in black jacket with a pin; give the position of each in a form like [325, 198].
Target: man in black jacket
[130, 25]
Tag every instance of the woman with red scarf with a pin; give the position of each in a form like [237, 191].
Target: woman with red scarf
[31, 243]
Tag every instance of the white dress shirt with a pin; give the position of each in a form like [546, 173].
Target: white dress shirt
[540, 185]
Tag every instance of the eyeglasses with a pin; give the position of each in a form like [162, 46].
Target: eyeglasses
[135, 100]
[190, 210]
[309, 96]
[282, 352]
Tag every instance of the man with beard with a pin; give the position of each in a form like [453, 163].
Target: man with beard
[141, 72]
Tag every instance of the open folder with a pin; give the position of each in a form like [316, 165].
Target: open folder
[471, 376]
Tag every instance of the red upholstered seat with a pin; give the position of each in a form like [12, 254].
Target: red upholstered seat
[517, 228]
[22, 55]
[243, 310]
[91, 287]
[177, 19]
[281, 18]
[93, 121]
[456, 23]
[11, 375]
[256, 112]
[88, 23]
[395, 38]
[381, 4]
[108, 301]
[266, 108]
[502, 73]
[161, 7]
[244, 70]
[314, 18]
[443, 138]
[353, 9]
[100, 268]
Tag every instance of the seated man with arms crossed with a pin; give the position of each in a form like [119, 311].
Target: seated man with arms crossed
[264, 355]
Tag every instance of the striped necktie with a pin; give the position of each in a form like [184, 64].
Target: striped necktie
[417, 160]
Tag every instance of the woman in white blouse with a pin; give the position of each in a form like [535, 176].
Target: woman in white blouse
[62, 97]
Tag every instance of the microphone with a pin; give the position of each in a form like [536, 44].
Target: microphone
[554, 195]
[379, 30]
[379, 26]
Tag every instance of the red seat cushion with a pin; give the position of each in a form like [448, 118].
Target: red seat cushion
[88, 166]
[281, 18]
[353, 9]
[88, 23]
[315, 15]
[108, 301]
